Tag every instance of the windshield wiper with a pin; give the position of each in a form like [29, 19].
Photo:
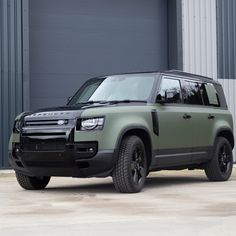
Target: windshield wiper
[125, 101]
[111, 101]
[92, 102]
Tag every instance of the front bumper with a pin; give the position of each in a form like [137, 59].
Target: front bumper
[75, 160]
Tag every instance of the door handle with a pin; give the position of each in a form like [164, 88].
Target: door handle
[211, 117]
[187, 116]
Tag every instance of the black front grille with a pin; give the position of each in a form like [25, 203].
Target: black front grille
[44, 122]
[44, 146]
[43, 134]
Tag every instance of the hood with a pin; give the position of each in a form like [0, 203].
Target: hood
[58, 113]
[68, 112]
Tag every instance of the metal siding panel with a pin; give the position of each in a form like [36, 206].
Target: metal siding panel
[1, 78]
[225, 42]
[175, 56]
[234, 36]
[226, 37]
[214, 39]
[12, 65]
[230, 40]
[25, 55]
[209, 38]
[5, 90]
[199, 37]
[18, 58]
[11, 71]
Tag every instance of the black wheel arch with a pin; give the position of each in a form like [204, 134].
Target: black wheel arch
[226, 133]
[143, 133]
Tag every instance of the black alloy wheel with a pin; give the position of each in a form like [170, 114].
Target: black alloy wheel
[138, 165]
[129, 174]
[221, 164]
[225, 158]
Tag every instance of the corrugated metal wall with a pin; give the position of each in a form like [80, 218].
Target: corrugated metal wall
[226, 46]
[199, 37]
[226, 38]
[11, 70]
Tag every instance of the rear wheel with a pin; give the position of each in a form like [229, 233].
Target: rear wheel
[220, 167]
[130, 171]
[32, 183]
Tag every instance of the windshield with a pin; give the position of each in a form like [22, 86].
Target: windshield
[115, 88]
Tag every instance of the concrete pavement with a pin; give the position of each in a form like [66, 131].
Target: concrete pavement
[172, 203]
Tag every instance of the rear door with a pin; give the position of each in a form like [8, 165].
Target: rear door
[203, 101]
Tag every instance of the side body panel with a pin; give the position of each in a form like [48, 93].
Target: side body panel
[207, 121]
[174, 131]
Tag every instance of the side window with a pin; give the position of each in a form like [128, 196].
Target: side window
[170, 91]
[209, 95]
[191, 93]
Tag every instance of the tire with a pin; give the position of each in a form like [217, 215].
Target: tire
[32, 183]
[130, 172]
[221, 165]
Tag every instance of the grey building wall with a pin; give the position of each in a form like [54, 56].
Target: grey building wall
[199, 37]
[175, 47]
[11, 64]
[71, 41]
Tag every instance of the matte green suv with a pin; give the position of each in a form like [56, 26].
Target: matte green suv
[126, 126]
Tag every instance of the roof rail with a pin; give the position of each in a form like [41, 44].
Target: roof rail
[183, 73]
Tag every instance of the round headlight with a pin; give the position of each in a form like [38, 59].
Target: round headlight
[89, 124]
[94, 123]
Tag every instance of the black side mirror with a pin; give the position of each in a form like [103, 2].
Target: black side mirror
[170, 94]
[160, 99]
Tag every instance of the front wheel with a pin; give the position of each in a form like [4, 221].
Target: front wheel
[220, 167]
[130, 171]
[32, 183]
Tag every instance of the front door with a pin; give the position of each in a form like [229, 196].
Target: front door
[175, 138]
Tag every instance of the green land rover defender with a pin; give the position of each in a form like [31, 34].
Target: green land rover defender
[126, 126]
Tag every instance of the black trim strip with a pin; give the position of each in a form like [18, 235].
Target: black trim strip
[155, 122]
[164, 158]
[181, 154]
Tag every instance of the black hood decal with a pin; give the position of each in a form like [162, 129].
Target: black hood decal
[62, 108]
[58, 113]
[53, 115]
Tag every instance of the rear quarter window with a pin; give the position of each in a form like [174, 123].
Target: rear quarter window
[209, 95]
[221, 96]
